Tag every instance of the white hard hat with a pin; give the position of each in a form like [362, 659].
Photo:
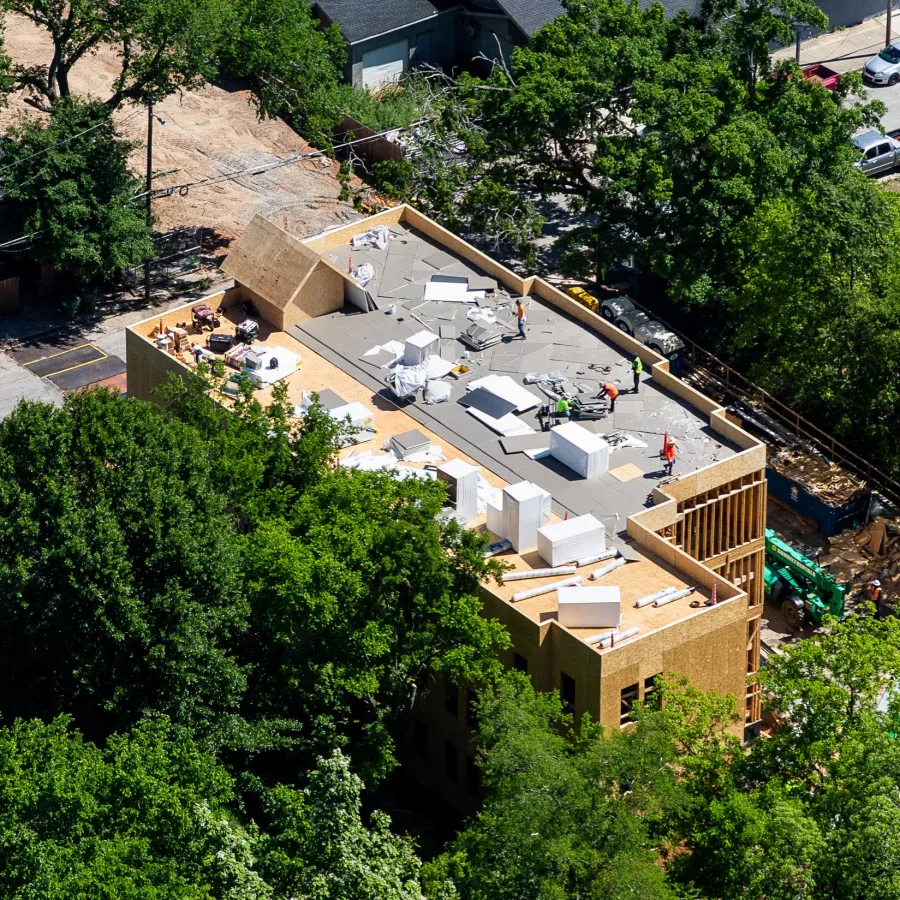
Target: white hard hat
[876, 583]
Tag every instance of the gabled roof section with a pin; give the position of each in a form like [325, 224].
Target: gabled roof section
[530, 15]
[270, 262]
[362, 19]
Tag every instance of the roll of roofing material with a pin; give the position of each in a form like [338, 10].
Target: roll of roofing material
[597, 557]
[604, 640]
[547, 588]
[652, 598]
[537, 573]
[676, 596]
[609, 567]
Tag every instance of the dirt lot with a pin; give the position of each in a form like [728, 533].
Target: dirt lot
[207, 132]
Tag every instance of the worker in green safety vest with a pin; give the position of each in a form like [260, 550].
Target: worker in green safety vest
[562, 408]
[636, 368]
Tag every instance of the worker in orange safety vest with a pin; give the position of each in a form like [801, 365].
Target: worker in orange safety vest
[611, 391]
[669, 451]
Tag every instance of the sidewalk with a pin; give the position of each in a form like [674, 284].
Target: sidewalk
[847, 49]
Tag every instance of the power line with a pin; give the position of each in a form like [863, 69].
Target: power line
[60, 143]
[251, 171]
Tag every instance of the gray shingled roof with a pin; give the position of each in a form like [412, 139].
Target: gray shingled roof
[361, 19]
[692, 7]
[530, 15]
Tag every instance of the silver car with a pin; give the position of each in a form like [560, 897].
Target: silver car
[878, 152]
[884, 68]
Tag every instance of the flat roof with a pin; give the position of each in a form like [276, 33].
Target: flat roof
[317, 372]
[555, 342]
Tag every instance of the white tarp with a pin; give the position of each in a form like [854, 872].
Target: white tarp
[288, 362]
[405, 381]
[437, 392]
[374, 237]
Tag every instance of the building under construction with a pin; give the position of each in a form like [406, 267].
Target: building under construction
[355, 308]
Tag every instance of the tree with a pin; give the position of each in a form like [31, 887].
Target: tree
[120, 575]
[318, 845]
[294, 64]
[163, 45]
[66, 183]
[150, 815]
[146, 816]
[357, 595]
[558, 820]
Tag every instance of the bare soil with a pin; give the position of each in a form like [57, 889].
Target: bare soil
[208, 132]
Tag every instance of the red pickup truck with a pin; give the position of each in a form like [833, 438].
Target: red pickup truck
[828, 78]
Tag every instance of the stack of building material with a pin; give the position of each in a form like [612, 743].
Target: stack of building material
[410, 442]
[507, 389]
[419, 346]
[180, 339]
[461, 479]
[522, 506]
[362, 421]
[589, 607]
[495, 517]
[480, 337]
[579, 449]
[573, 539]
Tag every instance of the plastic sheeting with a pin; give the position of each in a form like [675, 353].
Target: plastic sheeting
[379, 236]
[437, 392]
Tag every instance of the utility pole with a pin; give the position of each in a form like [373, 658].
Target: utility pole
[887, 30]
[797, 32]
[148, 189]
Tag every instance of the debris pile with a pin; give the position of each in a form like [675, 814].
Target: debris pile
[858, 556]
[830, 483]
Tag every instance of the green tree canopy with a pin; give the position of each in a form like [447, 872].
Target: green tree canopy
[120, 569]
[66, 184]
[149, 815]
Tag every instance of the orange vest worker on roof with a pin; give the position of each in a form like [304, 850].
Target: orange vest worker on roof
[669, 451]
[611, 391]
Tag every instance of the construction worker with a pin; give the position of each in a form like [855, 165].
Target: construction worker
[521, 316]
[636, 368]
[563, 408]
[875, 589]
[669, 451]
[611, 391]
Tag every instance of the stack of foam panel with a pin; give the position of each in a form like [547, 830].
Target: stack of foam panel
[579, 449]
[419, 346]
[461, 479]
[573, 539]
[589, 607]
[524, 502]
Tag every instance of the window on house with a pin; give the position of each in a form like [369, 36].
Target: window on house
[651, 692]
[420, 740]
[567, 691]
[520, 664]
[471, 711]
[629, 695]
[451, 699]
[473, 777]
[450, 761]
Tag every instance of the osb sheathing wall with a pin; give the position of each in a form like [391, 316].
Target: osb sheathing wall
[710, 646]
[147, 366]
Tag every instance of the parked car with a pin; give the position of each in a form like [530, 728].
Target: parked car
[884, 68]
[649, 332]
[878, 152]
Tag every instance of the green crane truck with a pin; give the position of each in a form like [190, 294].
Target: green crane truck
[804, 591]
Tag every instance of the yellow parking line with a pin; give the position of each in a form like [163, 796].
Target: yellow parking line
[90, 362]
[61, 352]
